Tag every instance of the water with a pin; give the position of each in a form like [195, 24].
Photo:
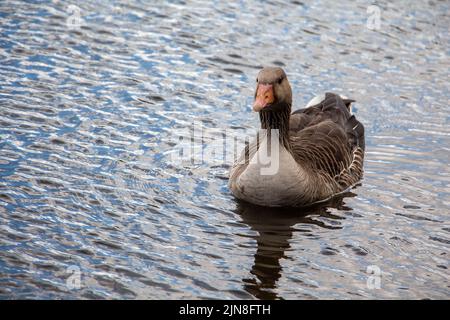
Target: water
[91, 94]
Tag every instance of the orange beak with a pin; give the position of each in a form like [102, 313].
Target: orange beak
[264, 96]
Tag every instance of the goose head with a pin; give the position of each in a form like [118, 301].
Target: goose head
[273, 91]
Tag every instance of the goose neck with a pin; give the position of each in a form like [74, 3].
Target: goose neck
[277, 120]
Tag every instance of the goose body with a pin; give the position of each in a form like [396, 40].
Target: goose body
[300, 158]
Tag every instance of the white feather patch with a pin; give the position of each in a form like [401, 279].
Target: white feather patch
[316, 100]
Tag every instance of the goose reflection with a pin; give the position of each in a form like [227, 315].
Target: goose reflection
[275, 227]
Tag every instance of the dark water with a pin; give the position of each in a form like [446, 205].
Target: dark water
[89, 108]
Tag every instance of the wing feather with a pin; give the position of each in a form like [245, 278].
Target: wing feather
[328, 138]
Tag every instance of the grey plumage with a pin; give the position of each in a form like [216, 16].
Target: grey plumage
[322, 153]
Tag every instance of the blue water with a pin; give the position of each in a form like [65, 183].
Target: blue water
[93, 98]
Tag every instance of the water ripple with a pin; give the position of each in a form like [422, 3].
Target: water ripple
[89, 105]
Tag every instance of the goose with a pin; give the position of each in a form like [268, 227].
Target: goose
[302, 158]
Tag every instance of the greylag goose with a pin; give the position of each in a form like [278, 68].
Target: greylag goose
[300, 158]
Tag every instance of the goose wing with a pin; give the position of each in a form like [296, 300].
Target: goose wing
[326, 137]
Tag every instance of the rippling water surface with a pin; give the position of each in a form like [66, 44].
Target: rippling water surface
[92, 93]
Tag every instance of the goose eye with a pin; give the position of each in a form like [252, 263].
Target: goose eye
[256, 80]
[280, 80]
